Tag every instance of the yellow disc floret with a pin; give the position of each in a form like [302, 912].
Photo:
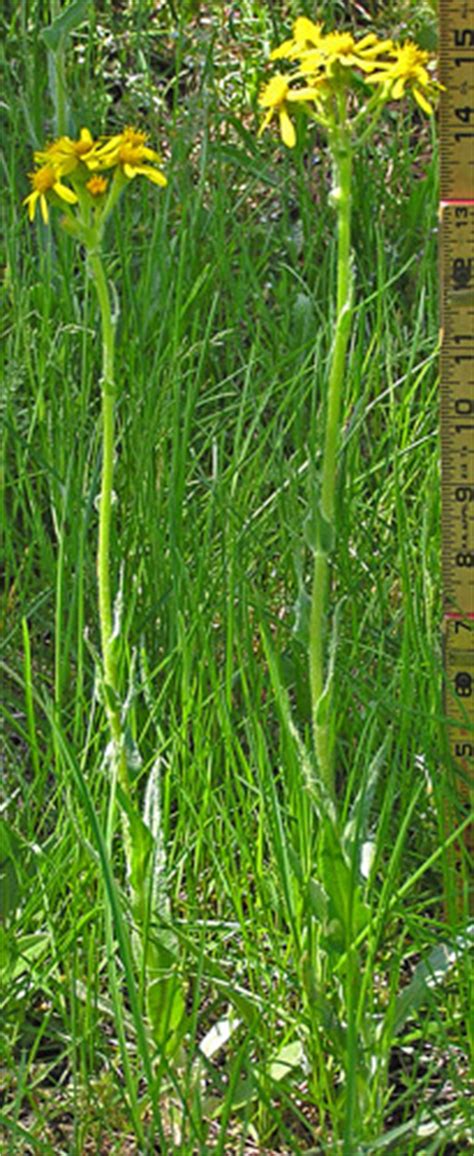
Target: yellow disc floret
[97, 185]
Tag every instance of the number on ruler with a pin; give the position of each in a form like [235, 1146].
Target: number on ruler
[462, 272]
[463, 684]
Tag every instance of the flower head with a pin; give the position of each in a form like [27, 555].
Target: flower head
[340, 49]
[326, 65]
[97, 185]
[305, 35]
[46, 181]
[406, 68]
[275, 97]
[66, 154]
[130, 152]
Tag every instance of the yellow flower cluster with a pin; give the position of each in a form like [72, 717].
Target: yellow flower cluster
[83, 161]
[326, 62]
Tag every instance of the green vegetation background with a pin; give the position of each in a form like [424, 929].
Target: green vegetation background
[225, 286]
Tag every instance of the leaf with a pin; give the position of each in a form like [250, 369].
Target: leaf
[17, 865]
[219, 1035]
[200, 281]
[20, 955]
[303, 320]
[328, 1021]
[302, 611]
[347, 914]
[166, 1006]
[10, 852]
[155, 943]
[429, 974]
[139, 853]
[313, 782]
[64, 24]
[156, 881]
[422, 1128]
[318, 532]
[317, 900]
[356, 828]
[323, 714]
[289, 1057]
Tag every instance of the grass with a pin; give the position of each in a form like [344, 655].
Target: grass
[225, 327]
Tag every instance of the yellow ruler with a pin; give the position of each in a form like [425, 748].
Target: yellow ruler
[457, 384]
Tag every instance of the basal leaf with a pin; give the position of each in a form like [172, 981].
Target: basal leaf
[429, 974]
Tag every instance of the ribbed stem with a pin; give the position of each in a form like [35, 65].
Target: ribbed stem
[321, 712]
[105, 516]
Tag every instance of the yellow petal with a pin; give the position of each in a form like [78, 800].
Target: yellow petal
[379, 47]
[288, 134]
[422, 101]
[31, 200]
[151, 155]
[265, 122]
[44, 208]
[65, 193]
[111, 142]
[152, 175]
[378, 77]
[130, 172]
[422, 75]
[274, 92]
[305, 30]
[283, 50]
[306, 93]
[365, 65]
[399, 88]
[93, 163]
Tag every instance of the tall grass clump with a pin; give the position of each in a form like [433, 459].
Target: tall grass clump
[224, 858]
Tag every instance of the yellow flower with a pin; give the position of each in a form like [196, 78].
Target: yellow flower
[406, 69]
[97, 185]
[65, 154]
[341, 48]
[305, 35]
[46, 180]
[129, 150]
[274, 97]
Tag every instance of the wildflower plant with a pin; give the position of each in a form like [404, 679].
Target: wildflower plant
[84, 178]
[343, 85]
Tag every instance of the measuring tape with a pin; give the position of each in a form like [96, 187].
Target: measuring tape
[457, 383]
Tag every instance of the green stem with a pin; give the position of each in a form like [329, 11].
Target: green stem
[321, 706]
[164, 998]
[105, 516]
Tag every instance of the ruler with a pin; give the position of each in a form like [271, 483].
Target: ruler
[457, 386]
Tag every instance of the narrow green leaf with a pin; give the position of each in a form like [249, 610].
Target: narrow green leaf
[71, 18]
